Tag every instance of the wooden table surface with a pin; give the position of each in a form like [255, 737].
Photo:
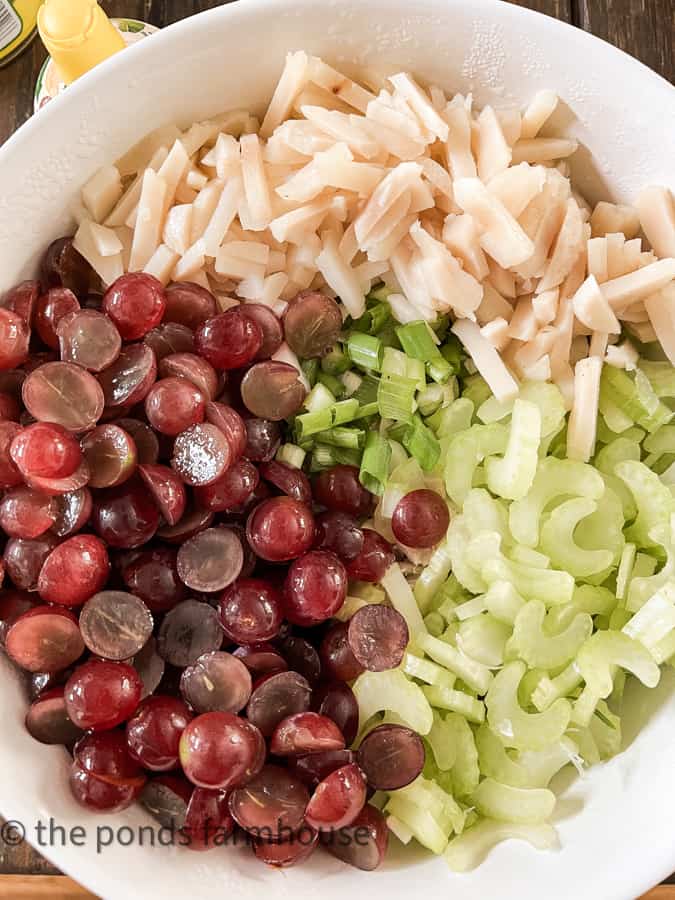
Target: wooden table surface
[644, 28]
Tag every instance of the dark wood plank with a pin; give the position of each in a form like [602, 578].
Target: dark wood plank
[643, 28]
[559, 9]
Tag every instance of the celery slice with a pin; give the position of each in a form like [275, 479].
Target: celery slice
[392, 691]
[469, 849]
[511, 475]
[543, 651]
[524, 806]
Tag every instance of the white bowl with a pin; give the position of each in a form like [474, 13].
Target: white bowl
[616, 824]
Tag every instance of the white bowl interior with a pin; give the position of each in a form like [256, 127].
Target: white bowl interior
[616, 824]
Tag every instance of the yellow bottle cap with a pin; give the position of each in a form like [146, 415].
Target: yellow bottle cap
[78, 35]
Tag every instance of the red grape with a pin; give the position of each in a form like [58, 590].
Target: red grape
[207, 822]
[276, 696]
[314, 767]
[312, 324]
[338, 799]
[170, 337]
[289, 851]
[73, 511]
[167, 491]
[373, 560]
[14, 338]
[22, 299]
[270, 326]
[105, 755]
[47, 720]
[271, 804]
[420, 519]
[217, 682]
[336, 655]
[154, 732]
[336, 700]
[115, 625]
[378, 636]
[63, 266]
[363, 844]
[231, 490]
[221, 750]
[211, 560]
[25, 513]
[173, 404]
[263, 438]
[231, 424]
[136, 304]
[280, 529]
[230, 340]
[88, 339]
[9, 407]
[9, 474]
[192, 368]
[100, 694]
[201, 454]
[166, 798]
[391, 756]
[12, 605]
[153, 577]
[189, 630]
[128, 380]
[65, 394]
[189, 304]
[45, 450]
[261, 659]
[74, 571]
[147, 445]
[339, 488]
[301, 656]
[315, 588]
[250, 611]
[125, 516]
[24, 559]
[192, 522]
[54, 487]
[272, 390]
[44, 639]
[306, 732]
[290, 481]
[92, 793]
[49, 310]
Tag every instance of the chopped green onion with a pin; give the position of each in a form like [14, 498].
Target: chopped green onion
[374, 318]
[367, 409]
[336, 361]
[323, 457]
[476, 390]
[396, 398]
[292, 455]
[430, 399]
[375, 463]
[394, 362]
[439, 370]
[326, 417]
[421, 443]
[347, 457]
[310, 369]
[367, 390]
[453, 352]
[378, 294]
[319, 398]
[453, 418]
[334, 385]
[418, 340]
[350, 438]
[365, 351]
[351, 381]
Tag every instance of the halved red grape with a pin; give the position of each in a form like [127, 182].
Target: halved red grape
[420, 519]
[136, 304]
[250, 611]
[314, 767]
[48, 722]
[301, 657]
[261, 659]
[45, 450]
[208, 822]
[92, 793]
[336, 655]
[14, 338]
[217, 682]
[193, 369]
[101, 694]
[169, 337]
[230, 340]
[315, 588]
[340, 533]
[289, 851]
[55, 487]
[374, 559]
[391, 756]
[105, 755]
[49, 310]
[271, 804]
[9, 474]
[130, 377]
[231, 490]
[88, 339]
[276, 696]
[21, 300]
[230, 423]
[263, 437]
[339, 488]
[378, 636]
[201, 454]
[210, 560]
[221, 750]
[272, 390]
[24, 559]
[188, 631]
[153, 577]
[65, 394]
[74, 571]
[14, 604]
[338, 799]
[9, 407]
[11, 382]
[115, 625]
[125, 516]
[44, 639]
[192, 522]
[63, 266]
[280, 529]
[287, 479]
[174, 404]
[312, 324]
[363, 844]
[111, 455]
[154, 732]
[73, 511]
[336, 700]
[150, 667]
[166, 798]
[167, 491]
[25, 513]
[147, 445]
[270, 326]
[189, 304]
[306, 732]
